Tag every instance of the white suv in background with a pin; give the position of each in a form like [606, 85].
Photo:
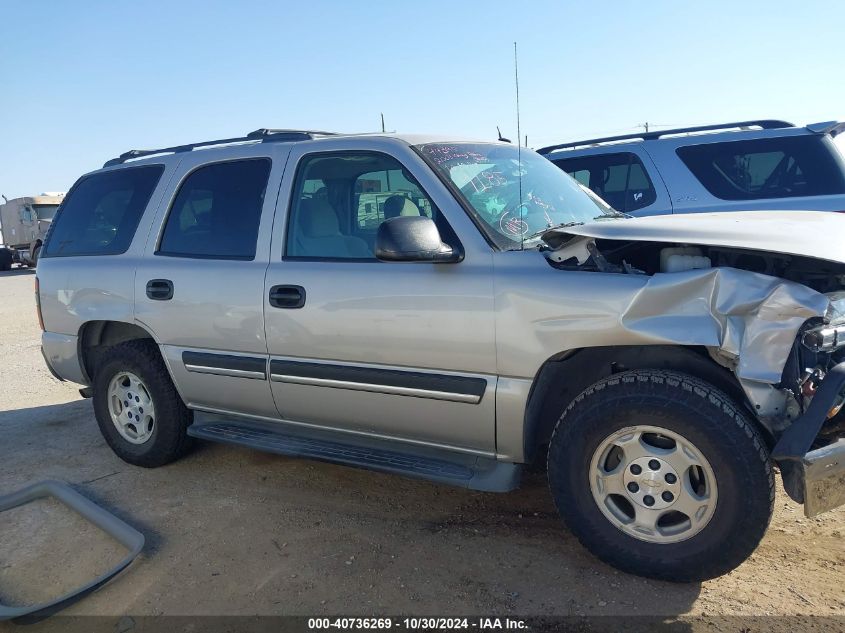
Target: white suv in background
[745, 166]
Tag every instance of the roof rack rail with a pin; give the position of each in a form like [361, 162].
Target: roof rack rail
[766, 124]
[263, 135]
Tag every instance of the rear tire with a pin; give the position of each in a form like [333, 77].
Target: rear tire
[661, 475]
[140, 413]
[5, 259]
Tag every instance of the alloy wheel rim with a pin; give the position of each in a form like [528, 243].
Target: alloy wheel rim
[653, 484]
[131, 407]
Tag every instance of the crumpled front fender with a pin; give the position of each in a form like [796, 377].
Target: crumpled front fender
[750, 320]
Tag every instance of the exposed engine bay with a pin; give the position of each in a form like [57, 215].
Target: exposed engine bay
[818, 344]
[655, 257]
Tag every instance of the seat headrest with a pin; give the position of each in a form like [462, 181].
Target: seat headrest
[318, 219]
[395, 206]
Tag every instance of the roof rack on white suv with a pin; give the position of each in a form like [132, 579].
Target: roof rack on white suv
[763, 124]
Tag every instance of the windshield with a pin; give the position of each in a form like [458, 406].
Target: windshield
[45, 211]
[513, 204]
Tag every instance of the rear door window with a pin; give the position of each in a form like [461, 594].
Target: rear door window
[217, 211]
[101, 213]
[620, 179]
[783, 167]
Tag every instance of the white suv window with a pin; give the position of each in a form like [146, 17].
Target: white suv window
[782, 167]
[620, 179]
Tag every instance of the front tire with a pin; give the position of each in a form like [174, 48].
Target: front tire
[139, 412]
[6, 259]
[660, 474]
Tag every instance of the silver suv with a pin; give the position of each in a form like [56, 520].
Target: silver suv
[745, 166]
[455, 310]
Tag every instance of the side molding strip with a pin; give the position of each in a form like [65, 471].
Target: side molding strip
[225, 365]
[388, 381]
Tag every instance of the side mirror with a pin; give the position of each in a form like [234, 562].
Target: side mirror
[413, 239]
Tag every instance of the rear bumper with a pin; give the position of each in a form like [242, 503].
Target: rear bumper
[61, 353]
[815, 478]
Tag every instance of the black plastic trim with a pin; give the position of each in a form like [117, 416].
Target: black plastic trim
[464, 470]
[797, 440]
[464, 385]
[224, 361]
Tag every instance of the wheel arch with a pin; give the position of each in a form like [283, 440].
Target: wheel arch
[95, 336]
[566, 374]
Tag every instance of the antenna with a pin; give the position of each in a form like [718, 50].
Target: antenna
[518, 144]
[502, 138]
[382, 121]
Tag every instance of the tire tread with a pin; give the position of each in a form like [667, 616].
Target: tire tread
[689, 392]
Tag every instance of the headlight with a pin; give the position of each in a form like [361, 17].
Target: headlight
[836, 312]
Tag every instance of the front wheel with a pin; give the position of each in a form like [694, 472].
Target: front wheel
[660, 474]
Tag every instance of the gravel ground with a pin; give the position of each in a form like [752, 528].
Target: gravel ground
[237, 532]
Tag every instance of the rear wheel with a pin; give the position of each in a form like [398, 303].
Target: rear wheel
[660, 474]
[5, 259]
[139, 411]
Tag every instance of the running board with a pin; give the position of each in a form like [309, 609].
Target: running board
[422, 462]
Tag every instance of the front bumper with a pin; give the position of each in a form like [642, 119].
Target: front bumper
[824, 478]
[815, 478]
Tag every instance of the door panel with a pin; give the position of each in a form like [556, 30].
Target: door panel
[409, 349]
[205, 309]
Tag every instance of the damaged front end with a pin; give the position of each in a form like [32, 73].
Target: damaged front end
[811, 451]
[776, 320]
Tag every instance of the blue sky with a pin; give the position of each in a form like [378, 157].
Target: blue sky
[81, 82]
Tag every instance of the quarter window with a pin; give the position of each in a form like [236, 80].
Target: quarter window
[101, 213]
[217, 212]
[782, 167]
[620, 179]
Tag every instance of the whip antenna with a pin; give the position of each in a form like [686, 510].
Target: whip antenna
[519, 146]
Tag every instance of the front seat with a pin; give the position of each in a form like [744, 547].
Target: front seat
[395, 206]
[320, 234]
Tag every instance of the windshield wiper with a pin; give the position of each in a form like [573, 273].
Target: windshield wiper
[562, 225]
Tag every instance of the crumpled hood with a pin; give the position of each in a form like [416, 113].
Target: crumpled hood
[816, 234]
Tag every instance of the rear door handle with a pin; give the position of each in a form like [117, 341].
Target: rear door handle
[160, 289]
[287, 297]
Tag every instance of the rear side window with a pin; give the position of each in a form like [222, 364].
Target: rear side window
[101, 213]
[620, 179]
[217, 211]
[783, 167]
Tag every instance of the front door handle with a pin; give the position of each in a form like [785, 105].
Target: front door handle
[287, 297]
[160, 289]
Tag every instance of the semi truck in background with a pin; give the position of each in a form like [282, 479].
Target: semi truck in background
[23, 226]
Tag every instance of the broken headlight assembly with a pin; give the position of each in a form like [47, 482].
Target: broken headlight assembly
[829, 336]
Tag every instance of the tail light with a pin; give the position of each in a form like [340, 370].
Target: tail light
[38, 304]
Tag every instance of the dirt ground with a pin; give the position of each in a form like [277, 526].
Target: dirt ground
[237, 532]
